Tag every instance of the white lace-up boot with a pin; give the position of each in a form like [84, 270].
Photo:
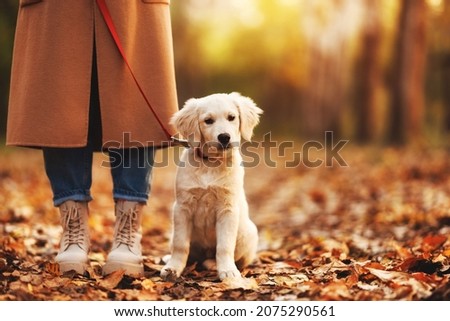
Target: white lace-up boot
[74, 245]
[126, 251]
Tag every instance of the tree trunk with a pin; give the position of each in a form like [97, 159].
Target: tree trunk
[407, 105]
[368, 75]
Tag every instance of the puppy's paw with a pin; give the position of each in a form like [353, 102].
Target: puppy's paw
[170, 274]
[230, 274]
[166, 258]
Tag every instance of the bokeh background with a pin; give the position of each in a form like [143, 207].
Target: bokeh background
[375, 72]
[372, 71]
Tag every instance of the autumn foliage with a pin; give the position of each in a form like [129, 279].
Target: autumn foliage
[375, 230]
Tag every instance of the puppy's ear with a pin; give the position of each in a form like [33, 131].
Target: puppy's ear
[248, 114]
[185, 122]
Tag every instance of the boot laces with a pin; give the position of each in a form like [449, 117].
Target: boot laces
[71, 222]
[126, 226]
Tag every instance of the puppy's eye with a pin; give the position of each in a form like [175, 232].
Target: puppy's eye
[209, 121]
[231, 117]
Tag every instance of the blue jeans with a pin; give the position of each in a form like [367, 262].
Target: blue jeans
[70, 169]
[70, 173]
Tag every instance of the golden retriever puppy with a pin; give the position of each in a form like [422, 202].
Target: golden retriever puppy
[210, 214]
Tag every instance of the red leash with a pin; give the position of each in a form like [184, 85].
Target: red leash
[112, 29]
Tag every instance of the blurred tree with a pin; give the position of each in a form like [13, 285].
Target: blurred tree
[330, 32]
[368, 76]
[438, 68]
[407, 105]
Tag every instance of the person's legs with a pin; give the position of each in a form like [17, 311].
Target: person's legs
[70, 174]
[131, 171]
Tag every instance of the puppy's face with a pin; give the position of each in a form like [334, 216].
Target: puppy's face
[218, 121]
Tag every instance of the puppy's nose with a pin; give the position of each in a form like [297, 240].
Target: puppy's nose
[224, 139]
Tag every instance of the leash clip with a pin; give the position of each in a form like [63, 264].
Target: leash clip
[179, 141]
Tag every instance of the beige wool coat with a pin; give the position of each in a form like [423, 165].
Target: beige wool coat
[51, 73]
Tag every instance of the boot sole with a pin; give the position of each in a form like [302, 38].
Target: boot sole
[78, 267]
[131, 269]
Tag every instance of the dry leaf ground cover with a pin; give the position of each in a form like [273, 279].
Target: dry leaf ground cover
[375, 230]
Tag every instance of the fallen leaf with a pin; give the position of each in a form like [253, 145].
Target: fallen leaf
[294, 263]
[403, 252]
[52, 268]
[239, 283]
[446, 253]
[3, 264]
[56, 282]
[36, 280]
[148, 284]
[419, 264]
[423, 277]
[112, 280]
[335, 291]
[433, 242]
[403, 279]
[26, 278]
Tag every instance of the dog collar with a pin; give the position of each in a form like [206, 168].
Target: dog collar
[198, 153]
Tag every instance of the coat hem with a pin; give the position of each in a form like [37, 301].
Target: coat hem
[161, 145]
